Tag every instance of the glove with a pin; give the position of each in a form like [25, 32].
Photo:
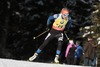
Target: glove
[47, 28]
[65, 31]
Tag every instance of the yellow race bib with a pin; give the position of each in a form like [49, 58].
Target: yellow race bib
[60, 23]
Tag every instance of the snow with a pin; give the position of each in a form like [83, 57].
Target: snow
[19, 63]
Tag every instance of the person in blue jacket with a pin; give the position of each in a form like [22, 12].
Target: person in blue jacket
[78, 53]
[61, 22]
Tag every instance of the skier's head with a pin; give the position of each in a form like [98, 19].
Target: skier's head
[65, 12]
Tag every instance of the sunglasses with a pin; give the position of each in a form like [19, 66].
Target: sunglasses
[65, 15]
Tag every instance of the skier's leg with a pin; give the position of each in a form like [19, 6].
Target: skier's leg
[47, 39]
[60, 39]
[58, 52]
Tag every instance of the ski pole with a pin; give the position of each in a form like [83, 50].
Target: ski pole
[66, 35]
[41, 34]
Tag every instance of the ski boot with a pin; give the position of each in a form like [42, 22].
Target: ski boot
[33, 57]
[56, 59]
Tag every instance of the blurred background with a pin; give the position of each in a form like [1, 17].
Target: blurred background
[21, 20]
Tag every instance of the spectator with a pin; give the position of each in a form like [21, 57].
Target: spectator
[89, 52]
[78, 53]
[70, 50]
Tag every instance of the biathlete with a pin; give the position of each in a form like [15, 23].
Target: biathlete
[61, 22]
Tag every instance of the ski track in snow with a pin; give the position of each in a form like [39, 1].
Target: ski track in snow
[20, 63]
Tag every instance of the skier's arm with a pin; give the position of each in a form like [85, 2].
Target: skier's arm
[51, 18]
[68, 24]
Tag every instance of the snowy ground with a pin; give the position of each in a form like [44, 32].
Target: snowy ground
[17, 63]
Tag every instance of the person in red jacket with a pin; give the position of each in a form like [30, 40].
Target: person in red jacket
[61, 21]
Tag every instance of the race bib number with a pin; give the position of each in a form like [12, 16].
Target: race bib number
[60, 23]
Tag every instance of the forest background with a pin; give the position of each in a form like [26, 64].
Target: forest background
[21, 20]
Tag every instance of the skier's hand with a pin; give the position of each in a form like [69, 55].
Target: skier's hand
[47, 28]
[65, 32]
